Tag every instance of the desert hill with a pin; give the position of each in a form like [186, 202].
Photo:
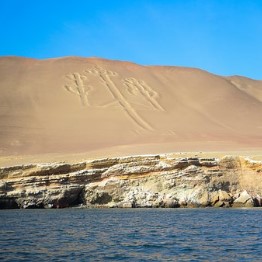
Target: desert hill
[73, 104]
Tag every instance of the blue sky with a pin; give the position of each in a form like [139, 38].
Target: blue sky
[220, 36]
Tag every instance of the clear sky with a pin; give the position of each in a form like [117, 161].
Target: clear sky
[221, 36]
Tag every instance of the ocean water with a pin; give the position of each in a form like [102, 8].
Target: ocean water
[131, 235]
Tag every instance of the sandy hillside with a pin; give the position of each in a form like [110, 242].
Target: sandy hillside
[73, 105]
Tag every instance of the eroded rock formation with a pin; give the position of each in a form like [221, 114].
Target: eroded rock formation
[135, 181]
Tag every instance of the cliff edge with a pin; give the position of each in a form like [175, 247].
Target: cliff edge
[134, 181]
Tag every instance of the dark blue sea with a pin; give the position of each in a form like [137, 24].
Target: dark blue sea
[131, 235]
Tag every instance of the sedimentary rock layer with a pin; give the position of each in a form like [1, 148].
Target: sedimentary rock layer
[135, 181]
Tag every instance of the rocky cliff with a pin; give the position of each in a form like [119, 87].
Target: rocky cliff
[135, 181]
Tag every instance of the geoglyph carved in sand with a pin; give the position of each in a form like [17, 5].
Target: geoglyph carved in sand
[81, 87]
[139, 87]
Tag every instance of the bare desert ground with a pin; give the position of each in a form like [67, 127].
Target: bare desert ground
[72, 108]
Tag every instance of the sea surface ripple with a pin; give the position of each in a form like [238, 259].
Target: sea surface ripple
[131, 235]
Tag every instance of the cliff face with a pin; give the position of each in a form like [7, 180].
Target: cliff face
[135, 181]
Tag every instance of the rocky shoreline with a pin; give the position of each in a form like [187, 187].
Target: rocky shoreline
[157, 181]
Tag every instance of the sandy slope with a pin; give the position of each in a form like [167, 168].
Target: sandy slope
[73, 105]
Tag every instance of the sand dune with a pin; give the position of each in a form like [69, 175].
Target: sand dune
[72, 105]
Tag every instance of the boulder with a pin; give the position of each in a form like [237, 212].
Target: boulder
[244, 200]
[220, 198]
